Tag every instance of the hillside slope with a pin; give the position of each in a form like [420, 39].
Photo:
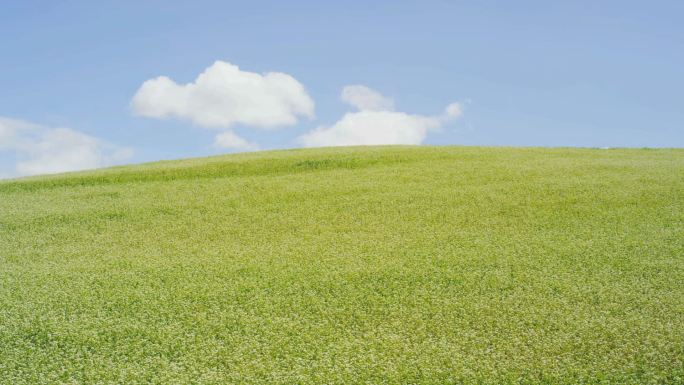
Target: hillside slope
[349, 265]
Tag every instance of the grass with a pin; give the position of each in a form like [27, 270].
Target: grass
[432, 265]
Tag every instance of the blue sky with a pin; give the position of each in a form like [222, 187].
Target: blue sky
[523, 73]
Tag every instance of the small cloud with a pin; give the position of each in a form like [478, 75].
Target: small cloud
[45, 150]
[453, 111]
[229, 139]
[376, 123]
[366, 99]
[223, 96]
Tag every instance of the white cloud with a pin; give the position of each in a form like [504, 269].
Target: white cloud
[453, 111]
[223, 95]
[376, 123]
[366, 99]
[229, 139]
[370, 128]
[45, 150]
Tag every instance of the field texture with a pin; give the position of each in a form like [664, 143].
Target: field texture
[392, 265]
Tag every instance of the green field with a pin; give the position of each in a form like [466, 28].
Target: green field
[392, 265]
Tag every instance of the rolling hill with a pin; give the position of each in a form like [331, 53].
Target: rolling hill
[349, 265]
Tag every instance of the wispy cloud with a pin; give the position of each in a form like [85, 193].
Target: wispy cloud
[228, 139]
[39, 149]
[366, 99]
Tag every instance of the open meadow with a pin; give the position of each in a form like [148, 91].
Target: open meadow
[403, 264]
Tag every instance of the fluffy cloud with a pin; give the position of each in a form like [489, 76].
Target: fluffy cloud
[44, 150]
[223, 96]
[372, 127]
[376, 123]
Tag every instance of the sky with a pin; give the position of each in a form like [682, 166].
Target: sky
[87, 84]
